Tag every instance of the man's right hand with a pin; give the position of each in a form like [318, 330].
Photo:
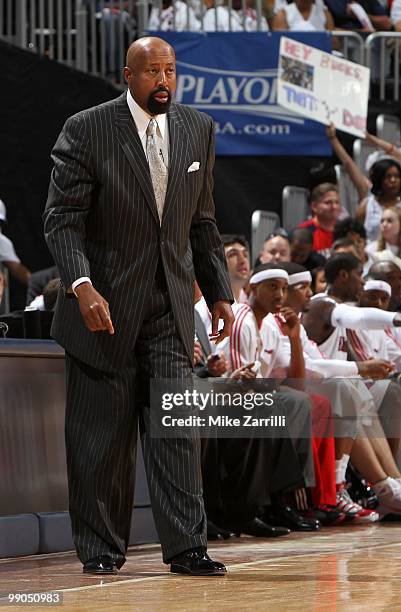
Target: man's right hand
[244, 372]
[375, 368]
[290, 323]
[94, 309]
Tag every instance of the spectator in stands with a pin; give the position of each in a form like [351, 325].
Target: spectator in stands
[8, 257]
[275, 248]
[318, 284]
[385, 193]
[168, 15]
[362, 184]
[221, 18]
[385, 175]
[236, 250]
[353, 230]
[390, 234]
[225, 19]
[118, 27]
[251, 18]
[301, 241]
[367, 16]
[389, 272]
[304, 16]
[326, 208]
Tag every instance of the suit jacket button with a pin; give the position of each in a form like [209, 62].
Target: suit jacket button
[161, 242]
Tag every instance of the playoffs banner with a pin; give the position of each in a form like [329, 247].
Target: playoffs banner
[233, 78]
[323, 87]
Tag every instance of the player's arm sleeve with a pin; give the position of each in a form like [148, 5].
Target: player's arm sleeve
[352, 317]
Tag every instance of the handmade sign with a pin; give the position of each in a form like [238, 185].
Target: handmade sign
[323, 87]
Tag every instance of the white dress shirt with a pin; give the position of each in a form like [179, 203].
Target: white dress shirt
[178, 18]
[141, 119]
[395, 13]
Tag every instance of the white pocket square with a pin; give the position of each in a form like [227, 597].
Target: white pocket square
[194, 167]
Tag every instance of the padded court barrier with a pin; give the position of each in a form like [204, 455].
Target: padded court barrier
[19, 535]
[143, 530]
[55, 533]
[33, 487]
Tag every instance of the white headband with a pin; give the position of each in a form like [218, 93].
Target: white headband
[267, 274]
[300, 277]
[377, 285]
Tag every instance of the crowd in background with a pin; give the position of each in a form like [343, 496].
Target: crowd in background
[300, 15]
[320, 305]
[363, 17]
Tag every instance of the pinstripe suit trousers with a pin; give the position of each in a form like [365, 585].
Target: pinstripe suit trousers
[103, 411]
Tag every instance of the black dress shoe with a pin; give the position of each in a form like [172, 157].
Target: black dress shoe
[100, 565]
[258, 528]
[215, 532]
[196, 562]
[288, 517]
[326, 514]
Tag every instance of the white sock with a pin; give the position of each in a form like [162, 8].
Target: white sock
[345, 461]
[341, 466]
[380, 485]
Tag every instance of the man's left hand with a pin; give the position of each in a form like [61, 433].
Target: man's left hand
[221, 310]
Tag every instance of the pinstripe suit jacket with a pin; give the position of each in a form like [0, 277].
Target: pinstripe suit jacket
[101, 221]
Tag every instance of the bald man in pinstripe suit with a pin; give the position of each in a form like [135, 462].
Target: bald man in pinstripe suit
[129, 231]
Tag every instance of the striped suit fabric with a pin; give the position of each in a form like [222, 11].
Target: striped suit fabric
[101, 221]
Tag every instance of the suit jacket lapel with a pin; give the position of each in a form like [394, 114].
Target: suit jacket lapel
[178, 157]
[129, 140]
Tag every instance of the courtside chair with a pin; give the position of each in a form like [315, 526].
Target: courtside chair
[295, 206]
[361, 152]
[388, 128]
[349, 197]
[264, 223]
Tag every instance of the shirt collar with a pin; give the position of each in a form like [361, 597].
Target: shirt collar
[142, 118]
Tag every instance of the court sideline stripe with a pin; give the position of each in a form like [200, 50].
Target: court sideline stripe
[235, 566]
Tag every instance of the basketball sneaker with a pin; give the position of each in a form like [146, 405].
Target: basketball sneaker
[353, 511]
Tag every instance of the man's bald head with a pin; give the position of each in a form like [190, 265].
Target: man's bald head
[391, 273]
[150, 74]
[381, 268]
[139, 49]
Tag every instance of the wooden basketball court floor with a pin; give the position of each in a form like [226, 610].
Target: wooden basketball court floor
[337, 569]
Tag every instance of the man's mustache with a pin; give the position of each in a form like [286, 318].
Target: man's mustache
[160, 90]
